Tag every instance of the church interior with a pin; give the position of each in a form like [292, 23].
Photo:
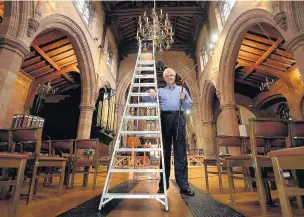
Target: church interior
[66, 82]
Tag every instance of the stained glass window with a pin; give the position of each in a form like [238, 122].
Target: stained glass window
[85, 9]
[225, 9]
[284, 112]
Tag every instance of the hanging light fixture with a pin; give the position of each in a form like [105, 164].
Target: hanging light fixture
[266, 85]
[156, 27]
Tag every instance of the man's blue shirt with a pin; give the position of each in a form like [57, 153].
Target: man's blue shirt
[170, 98]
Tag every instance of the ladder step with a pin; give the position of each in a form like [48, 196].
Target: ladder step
[139, 94]
[142, 105]
[144, 84]
[146, 54]
[137, 149]
[146, 62]
[149, 118]
[136, 170]
[140, 132]
[144, 76]
[144, 68]
[134, 196]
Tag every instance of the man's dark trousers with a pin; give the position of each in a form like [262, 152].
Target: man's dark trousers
[169, 122]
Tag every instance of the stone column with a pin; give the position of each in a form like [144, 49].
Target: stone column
[12, 53]
[228, 114]
[209, 138]
[296, 46]
[198, 127]
[85, 121]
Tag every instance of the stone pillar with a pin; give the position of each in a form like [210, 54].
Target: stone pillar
[85, 121]
[296, 46]
[228, 114]
[209, 138]
[197, 123]
[12, 53]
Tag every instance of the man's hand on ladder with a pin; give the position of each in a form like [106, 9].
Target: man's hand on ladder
[152, 93]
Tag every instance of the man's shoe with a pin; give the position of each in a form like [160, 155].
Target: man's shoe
[187, 191]
[160, 191]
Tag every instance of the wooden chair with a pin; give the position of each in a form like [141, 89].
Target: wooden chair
[30, 140]
[64, 149]
[262, 132]
[286, 159]
[218, 159]
[79, 161]
[133, 142]
[18, 161]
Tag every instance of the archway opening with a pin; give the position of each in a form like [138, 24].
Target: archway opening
[56, 83]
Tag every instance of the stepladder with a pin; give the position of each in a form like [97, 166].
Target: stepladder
[140, 119]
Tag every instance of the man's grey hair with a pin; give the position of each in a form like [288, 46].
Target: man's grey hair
[167, 70]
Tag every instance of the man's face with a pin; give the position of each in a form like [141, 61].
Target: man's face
[169, 78]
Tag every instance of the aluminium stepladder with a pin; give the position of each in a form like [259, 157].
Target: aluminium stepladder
[145, 69]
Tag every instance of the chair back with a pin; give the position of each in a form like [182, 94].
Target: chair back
[297, 133]
[272, 131]
[63, 147]
[81, 144]
[228, 141]
[133, 142]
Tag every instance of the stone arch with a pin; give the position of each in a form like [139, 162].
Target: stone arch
[190, 81]
[231, 48]
[16, 18]
[82, 52]
[209, 124]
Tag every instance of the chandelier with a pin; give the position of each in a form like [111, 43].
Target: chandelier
[46, 89]
[266, 85]
[156, 28]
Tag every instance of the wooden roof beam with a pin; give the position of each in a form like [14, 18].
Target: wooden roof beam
[265, 55]
[51, 62]
[267, 70]
[55, 74]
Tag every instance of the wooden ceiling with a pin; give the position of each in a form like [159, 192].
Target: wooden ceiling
[260, 56]
[52, 58]
[186, 18]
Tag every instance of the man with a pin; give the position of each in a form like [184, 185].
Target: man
[170, 97]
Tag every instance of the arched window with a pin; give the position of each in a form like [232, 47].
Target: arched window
[85, 9]
[205, 55]
[225, 7]
[109, 57]
[284, 112]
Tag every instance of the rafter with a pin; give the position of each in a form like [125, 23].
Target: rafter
[55, 74]
[267, 70]
[265, 55]
[173, 11]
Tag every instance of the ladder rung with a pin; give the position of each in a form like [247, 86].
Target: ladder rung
[136, 170]
[134, 196]
[144, 76]
[143, 105]
[146, 54]
[137, 149]
[149, 118]
[146, 62]
[144, 84]
[143, 68]
[139, 132]
[139, 94]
